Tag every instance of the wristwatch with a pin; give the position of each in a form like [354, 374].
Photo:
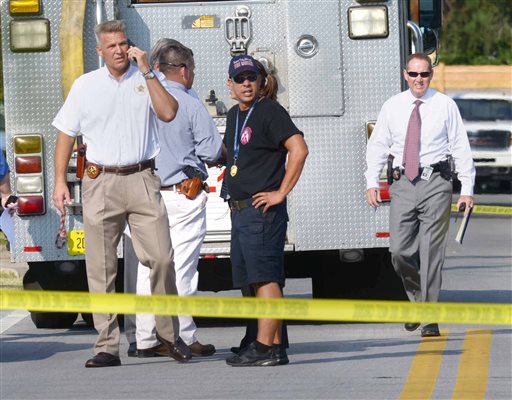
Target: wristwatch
[149, 74]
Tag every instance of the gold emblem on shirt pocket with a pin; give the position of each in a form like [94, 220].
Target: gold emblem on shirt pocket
[141, 89]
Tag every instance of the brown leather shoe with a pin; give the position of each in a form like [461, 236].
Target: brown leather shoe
[201, 350]
[159, 350]
[103, 359]
[177, 350]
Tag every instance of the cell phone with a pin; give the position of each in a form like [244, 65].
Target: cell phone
[131, 44]
[10, 199]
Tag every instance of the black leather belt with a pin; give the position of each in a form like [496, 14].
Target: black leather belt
[399, 171]
[240, 204]
[126, 169]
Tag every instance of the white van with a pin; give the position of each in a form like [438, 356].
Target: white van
[485, 105]
[488, 121]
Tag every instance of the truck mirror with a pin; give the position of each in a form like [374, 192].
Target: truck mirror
[430, 14]
[430, 41]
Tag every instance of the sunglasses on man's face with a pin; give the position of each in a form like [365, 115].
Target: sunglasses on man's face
[413, 74]
[241, 78]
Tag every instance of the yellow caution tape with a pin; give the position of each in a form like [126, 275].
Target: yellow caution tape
[249, 307]
[489, 210]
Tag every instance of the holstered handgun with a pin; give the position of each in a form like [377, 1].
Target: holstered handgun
[389, 172]
[446, 168]
[192, 186]
[81, 150]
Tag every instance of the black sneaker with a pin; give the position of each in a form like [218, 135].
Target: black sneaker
[282, 357]
[250, 357]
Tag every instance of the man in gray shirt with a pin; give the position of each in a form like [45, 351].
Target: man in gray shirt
[187, 143]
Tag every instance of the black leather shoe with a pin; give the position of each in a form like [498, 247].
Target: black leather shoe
[132, 350]
[202, 350]
[411, 326]
[103, 360]
[235, 350]
[251, 357]
[430, 330]
[177, 350]
[159, 350]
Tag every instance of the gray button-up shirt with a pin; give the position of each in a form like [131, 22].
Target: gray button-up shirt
[190, 139]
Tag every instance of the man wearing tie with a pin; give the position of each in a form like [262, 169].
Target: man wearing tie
[421, 130]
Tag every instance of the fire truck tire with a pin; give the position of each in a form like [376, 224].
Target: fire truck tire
[87, 317]
[373, 277]
[35, 280]
[46, 320]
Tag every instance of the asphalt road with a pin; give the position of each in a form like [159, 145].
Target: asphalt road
[328, 361]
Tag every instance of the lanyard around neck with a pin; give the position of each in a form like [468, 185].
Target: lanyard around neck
[236, 144]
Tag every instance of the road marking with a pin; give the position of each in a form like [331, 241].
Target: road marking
[473, 372]
[12, 319]
[425, 367]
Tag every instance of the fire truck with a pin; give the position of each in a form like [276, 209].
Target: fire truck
[336, 61]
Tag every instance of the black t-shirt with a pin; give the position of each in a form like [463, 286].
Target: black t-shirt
[262, 157]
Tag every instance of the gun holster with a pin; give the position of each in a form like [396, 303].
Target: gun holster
[446, 168]
[389, 171]
[81, 150]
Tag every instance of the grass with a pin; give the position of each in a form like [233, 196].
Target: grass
[3, 239]
[9, 280]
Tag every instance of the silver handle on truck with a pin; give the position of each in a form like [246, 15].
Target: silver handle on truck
[417, 37]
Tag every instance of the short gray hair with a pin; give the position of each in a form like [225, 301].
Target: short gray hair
[109, 27]
[170, 51]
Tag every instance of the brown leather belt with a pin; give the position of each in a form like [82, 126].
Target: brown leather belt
[124, 170]
[174, 188]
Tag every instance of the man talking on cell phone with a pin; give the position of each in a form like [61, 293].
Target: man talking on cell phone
[116, 109]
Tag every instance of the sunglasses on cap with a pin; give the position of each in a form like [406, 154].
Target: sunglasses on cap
[241, 78]
[415, 74]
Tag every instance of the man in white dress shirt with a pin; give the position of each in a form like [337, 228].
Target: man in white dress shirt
[116, 109]
[421, 194]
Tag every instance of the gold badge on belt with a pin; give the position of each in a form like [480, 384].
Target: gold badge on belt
[233, 170]
[92, 171]
[396, 174]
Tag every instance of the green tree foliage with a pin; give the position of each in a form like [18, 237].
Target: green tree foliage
[477, 32]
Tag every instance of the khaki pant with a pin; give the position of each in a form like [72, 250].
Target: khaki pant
[109, 202]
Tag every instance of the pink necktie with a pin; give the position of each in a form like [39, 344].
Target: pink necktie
[412, 144]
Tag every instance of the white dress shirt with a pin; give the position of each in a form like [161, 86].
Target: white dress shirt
[115, 118]
[442, 134]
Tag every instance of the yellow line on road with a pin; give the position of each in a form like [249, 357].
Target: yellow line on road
[425, 367]
[473, 365]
